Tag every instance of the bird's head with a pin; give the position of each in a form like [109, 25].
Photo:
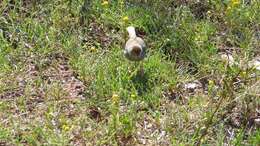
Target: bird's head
[136, 50]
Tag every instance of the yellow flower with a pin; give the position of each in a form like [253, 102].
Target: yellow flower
[133, 96]
[229, 8]
[65, 127]
[125, 19]
[104, 3]
[122, 2]
[115, 98]
[235, 2]
[93, 49]
[243, 74]
[211, 82]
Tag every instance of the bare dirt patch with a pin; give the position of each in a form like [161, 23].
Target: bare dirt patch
[39, 75]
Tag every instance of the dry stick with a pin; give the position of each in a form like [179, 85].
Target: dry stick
[210, 120]
[217, 108]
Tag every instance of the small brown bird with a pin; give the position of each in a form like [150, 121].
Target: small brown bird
[135, 46]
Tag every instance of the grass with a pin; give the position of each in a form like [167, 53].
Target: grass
[64, 79]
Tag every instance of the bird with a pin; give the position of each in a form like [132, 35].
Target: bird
[135, 46]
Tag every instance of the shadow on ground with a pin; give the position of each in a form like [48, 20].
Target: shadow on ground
[141, 83]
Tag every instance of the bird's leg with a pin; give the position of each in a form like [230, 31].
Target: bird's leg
[135, 69]
[141, 69]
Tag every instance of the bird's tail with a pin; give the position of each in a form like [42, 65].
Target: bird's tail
[131, 31]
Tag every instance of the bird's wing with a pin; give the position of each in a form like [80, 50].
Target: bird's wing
[141, 42]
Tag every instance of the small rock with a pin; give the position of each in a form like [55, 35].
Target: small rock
[192, 86]
[89, 128]
[257, 122]
[162, 134]
[142, 141]
[28, 46]
[255, 63]
[228, 58]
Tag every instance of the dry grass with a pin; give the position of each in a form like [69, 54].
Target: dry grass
[64, 79]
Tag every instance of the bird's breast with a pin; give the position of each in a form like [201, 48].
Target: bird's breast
[134, 49]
